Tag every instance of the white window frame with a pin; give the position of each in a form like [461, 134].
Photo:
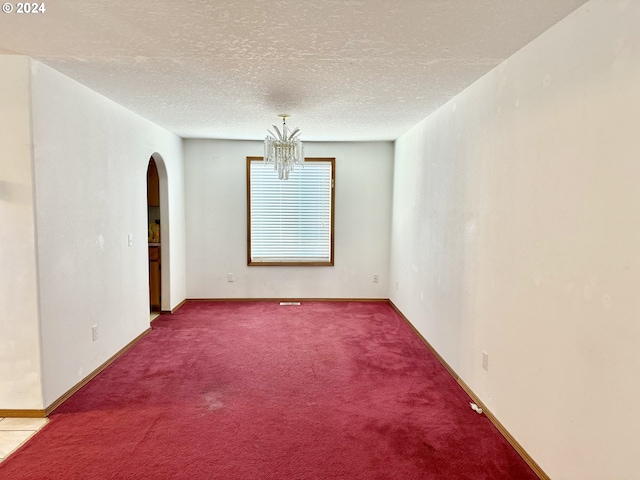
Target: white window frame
[280, 256]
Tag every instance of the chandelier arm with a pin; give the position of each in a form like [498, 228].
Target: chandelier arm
[279, 134]
[293, 134]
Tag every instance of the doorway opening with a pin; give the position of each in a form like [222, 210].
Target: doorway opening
[158, 235]
[153, 222]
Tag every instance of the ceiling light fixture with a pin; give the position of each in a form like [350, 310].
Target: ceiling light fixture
[283, 150]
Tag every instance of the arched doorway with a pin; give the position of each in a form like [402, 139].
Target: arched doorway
[158, 234]
[153, 222]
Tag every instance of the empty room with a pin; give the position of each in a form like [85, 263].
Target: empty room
[335, 239]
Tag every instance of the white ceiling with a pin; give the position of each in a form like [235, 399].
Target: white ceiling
[343, 69]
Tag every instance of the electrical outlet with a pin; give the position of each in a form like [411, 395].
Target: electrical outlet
[376, 278]
[230, 277]
[485, 360]
[94, 332]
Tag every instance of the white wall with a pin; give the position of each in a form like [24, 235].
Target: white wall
[516, 231]
[215, 172]
[20, 373]
[90, 158]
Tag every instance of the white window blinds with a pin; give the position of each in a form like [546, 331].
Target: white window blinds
[290, 221]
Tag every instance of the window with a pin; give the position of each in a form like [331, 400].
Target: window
[290, 222]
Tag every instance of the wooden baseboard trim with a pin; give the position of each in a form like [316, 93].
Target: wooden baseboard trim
[174, 309]
[505, 433]
[287, 299]
[22, 413]
[49, 410]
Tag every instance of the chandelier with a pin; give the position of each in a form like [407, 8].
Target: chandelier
[284, 150]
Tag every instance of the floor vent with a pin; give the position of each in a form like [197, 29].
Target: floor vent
[289, 303]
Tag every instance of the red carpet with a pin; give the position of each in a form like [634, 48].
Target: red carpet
[325, 390]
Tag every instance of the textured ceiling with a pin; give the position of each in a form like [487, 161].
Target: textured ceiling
[343, 69]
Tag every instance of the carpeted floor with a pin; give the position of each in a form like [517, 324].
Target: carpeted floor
[325, 390]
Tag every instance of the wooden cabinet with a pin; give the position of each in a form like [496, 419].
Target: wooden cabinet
[154, 278]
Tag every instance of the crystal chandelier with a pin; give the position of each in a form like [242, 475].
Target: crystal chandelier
[283, 150]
